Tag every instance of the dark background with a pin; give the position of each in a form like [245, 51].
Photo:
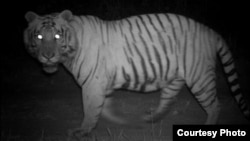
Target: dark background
[21, 75]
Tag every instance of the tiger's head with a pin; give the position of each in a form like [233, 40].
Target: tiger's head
[51, 39]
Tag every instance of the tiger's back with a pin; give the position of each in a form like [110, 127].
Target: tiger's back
[146, 48]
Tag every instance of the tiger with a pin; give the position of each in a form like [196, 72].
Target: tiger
[143, 53]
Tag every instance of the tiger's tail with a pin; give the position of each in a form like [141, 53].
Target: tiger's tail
[232, 76]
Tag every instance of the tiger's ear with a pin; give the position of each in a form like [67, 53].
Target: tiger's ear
[66, 15]
[30, 16]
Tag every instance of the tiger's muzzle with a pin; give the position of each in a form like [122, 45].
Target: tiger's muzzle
[50, 62]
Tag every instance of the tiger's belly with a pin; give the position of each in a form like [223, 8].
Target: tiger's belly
[142, 85]
[140, 81]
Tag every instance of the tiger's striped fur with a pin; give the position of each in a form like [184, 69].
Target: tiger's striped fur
[141, 53]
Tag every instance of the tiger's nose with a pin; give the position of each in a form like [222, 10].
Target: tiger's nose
[48, 55]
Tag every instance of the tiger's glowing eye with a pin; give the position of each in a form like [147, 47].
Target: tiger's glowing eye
[40, 37]
[57, 36]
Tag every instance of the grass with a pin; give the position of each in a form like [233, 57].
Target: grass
[112, 134]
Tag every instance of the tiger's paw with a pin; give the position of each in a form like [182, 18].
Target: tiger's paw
[152, 116]
[148, 117]
[80, 134]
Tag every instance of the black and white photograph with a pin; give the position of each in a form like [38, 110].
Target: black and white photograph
[119, 70]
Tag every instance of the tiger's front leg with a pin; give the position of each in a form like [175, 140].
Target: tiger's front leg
[93, 99]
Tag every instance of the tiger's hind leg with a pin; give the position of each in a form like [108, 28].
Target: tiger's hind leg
[168, 93]
[205, 92]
